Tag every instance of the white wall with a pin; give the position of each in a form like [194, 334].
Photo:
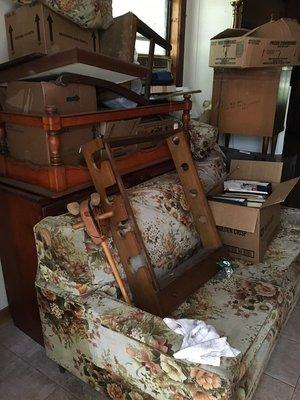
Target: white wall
[206, 18]
[5, 6]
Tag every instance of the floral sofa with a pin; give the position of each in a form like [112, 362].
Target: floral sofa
[127, 352]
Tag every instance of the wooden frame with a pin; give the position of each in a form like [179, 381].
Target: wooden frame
[56, 179]
[177, 38]
[43, 66]
[150, 294]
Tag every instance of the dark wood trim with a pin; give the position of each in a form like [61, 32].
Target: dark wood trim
[64, 121]
[68, 57]
[57, 179]
[4, 315]
[177, 38]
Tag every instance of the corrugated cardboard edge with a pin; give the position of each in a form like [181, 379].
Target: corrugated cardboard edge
[230, 33]
[290, 25]
[285, 28]
[281, 192]
[265, 171]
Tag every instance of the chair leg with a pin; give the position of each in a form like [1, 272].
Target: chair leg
[265, 145]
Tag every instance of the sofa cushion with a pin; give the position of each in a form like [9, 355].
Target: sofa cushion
[128, 352]
[203, 139]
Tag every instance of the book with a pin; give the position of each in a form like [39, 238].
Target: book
[240, 201]
[155, 89]
[248, 196]
[254, 204]
[241, 186]
[230, 200]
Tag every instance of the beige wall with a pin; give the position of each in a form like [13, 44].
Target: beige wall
[5, 6]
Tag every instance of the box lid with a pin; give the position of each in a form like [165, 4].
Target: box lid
[231, 33]
[280, 192]
[265, 171]
[284, 29]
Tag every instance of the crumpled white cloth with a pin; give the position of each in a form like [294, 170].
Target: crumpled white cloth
[201, 342]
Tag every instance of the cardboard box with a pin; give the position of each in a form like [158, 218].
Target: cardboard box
[246, 231]
[288, 162]
[30, 144]
[250, 101]
[36, 29]
[275, 43]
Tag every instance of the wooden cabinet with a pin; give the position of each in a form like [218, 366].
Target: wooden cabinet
[20, 210]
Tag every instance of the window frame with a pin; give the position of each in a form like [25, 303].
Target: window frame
[176, 36]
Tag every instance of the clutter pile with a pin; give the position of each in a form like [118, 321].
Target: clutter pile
[82, 108]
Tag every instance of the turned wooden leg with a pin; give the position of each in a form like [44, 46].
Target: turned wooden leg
[53, 132]
[3, 142]
[186, 117]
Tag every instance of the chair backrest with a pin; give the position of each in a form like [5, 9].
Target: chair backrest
[158, 297]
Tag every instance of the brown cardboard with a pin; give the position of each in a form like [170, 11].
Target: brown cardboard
[250, 101]
[119, 39]
[280, 192]
[30, 143]
[275, 43]
[36, 29]
[264, 171]
[246, 231]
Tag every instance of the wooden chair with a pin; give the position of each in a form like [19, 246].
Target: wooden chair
[150, 294]
[119, 40]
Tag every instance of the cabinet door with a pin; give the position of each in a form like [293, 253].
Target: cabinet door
[20, 211]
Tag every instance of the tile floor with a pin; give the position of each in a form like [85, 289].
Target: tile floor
[27, 374]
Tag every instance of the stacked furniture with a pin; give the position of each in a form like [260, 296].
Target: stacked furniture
[29, 193]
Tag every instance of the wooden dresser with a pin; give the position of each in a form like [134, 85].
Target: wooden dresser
[20, 210]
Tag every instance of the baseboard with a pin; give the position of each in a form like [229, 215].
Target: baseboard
[4, 315]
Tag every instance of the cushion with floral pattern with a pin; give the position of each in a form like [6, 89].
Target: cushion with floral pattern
[203, 139]
[93, 14]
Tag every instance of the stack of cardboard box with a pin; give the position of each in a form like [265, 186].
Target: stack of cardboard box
[252, 77]
[37, 29]
[246, 231]
[252, 71]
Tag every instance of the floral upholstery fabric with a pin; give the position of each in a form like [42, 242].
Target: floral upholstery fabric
[85, 13]
[69, 258]
[128, 352]
[203, 139]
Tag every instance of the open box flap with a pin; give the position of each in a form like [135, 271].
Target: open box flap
[284, 29]
[280, 192]
[230, 33]
[234, 217]
[264, 171]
